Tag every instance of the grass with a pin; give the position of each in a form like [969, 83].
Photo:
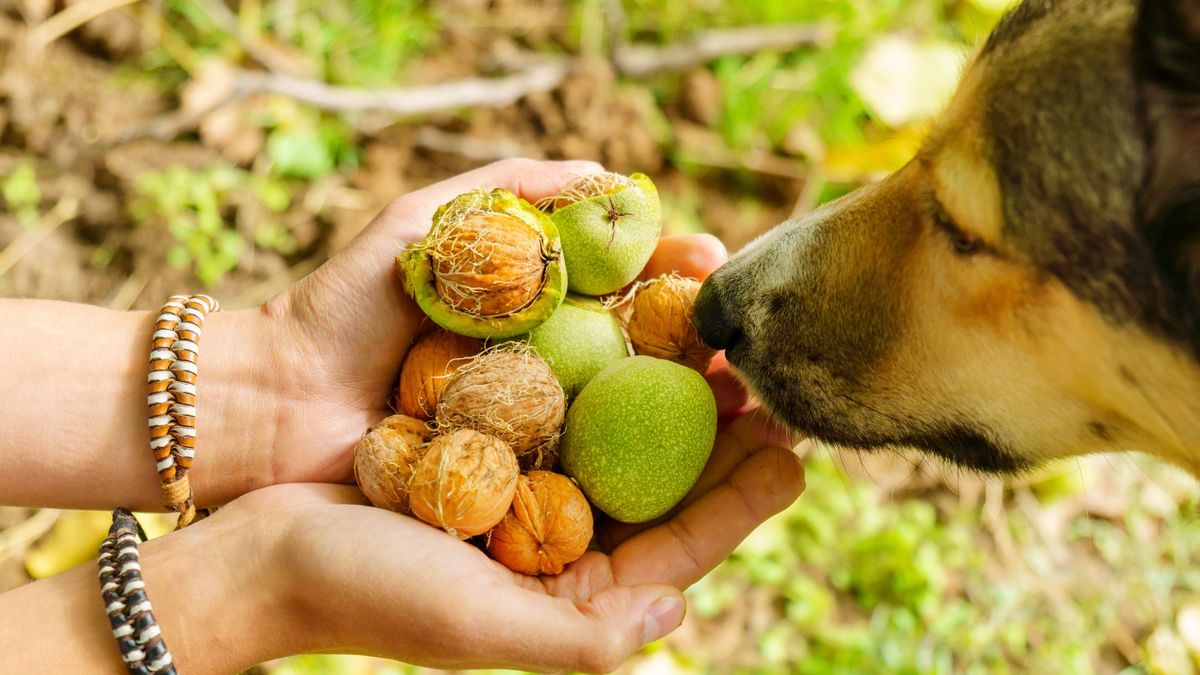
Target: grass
[1083, 568]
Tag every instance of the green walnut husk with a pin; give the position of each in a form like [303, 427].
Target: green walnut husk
[638, 436]
[491, 267]
[609, 225]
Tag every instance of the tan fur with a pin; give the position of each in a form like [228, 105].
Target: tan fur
[995, 337]
[875, 321]
[963, 181]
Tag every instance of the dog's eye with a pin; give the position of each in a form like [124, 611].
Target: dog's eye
[964, 243]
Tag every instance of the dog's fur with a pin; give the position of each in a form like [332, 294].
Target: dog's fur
[1028, 286]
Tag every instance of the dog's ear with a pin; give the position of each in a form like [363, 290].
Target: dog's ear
[1177, 251]
[1168, 44]
[1167, 58]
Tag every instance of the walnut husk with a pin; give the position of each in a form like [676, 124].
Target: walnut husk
[385, 457]
[548, 526]
[464, 483]
[427, 369]
[586, 187]
[660, 322]
[510, 393]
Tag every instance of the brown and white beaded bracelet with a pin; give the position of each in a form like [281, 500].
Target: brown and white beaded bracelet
[125, 600]
[171, 398]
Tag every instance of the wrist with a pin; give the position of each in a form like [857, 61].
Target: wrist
[240, 391]
[220, 594]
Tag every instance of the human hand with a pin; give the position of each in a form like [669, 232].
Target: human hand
[341, 333]
[343, 330]
[355, 578]
[470, 611]
[358, 579]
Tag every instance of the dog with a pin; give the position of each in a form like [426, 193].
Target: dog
[1027, 287]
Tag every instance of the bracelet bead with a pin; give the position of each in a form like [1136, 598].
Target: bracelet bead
[171, 397]
[125, 600]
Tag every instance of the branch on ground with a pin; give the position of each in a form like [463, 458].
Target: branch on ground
[641, 60]
[535, 75]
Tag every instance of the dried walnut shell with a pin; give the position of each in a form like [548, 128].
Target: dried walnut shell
[427, 370]
[660, 323]
[464, 483]
[548, 526]
[511, 394]
[489, 265]
[384, 460]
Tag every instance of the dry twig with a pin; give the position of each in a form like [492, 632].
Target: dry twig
[24, 533]
[71, 18]
[535, 74]
[64, 211]
[476, 149]
[640, 61]
[466, 93]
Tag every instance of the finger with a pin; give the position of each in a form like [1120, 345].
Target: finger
[531, 630]
[750, 433]
[408, 217]
[684, 549]
[731, 395]
[689, 255]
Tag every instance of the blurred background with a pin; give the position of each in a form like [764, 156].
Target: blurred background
[156, 145]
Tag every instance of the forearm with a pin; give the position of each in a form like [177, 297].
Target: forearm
[73, 406]
[218, 610]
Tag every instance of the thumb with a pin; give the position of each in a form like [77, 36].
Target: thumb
[594, 636]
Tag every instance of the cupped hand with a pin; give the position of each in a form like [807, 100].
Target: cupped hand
[344, 329]
[386, 584]
[367, 580]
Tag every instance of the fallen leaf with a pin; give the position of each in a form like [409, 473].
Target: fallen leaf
[903, 81]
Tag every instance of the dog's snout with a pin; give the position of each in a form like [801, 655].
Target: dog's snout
[717, 327]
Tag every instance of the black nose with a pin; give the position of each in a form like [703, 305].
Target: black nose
[717, 328]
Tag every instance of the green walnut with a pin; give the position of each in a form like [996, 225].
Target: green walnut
[491, 267]
[638, 436]
[609, 225]
[578, 341]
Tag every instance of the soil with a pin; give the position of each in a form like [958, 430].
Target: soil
[68, 108]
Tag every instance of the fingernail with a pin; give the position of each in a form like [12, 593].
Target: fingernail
[664, 616]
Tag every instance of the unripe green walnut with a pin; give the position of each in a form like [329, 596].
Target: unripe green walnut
[609, 226]
[578, 341]
[638, 436]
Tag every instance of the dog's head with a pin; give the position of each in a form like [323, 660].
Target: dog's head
[1028, 286]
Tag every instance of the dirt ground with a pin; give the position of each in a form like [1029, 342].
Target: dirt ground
[90, 131]
[69, 110]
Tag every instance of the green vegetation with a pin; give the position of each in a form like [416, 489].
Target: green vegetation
[22, 195]
[886, 565]
[200, 208]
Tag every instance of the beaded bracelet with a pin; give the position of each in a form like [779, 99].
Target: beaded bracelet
[125, 600]
[171, 398]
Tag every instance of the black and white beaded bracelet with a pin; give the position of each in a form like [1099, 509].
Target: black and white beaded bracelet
[125, 600]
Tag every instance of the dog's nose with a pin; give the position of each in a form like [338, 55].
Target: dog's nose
[716, 327]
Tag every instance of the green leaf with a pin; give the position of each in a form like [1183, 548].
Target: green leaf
[21, 193]
[299, 155]
[178, 257]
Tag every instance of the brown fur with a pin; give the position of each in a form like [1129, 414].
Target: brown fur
[1028, 287]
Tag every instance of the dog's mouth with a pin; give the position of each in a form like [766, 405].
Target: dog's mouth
[808, 401]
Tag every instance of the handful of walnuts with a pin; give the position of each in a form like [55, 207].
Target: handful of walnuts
[497, 411]
[474, 449]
